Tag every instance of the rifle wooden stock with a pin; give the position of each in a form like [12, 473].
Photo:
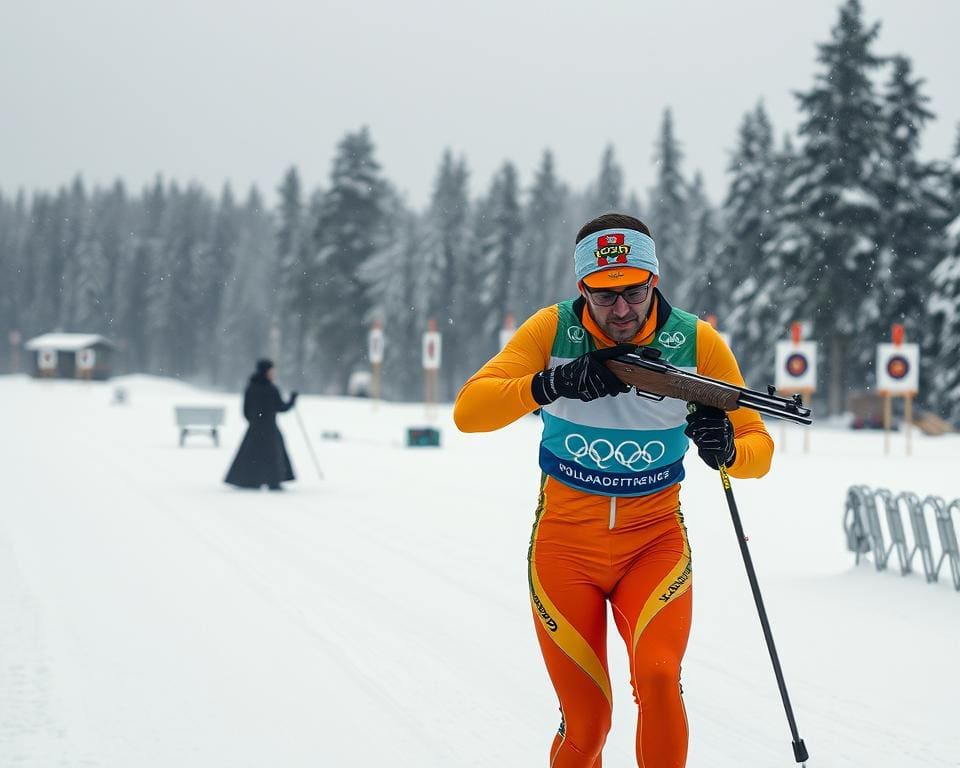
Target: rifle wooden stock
[670, 383]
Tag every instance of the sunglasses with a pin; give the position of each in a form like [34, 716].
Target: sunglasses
[635, 294]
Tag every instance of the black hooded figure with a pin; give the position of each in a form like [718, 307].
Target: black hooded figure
[262, 458]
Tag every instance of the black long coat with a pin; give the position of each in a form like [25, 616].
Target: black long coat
[262, 458]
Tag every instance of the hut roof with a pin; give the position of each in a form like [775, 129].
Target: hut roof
[67, 342]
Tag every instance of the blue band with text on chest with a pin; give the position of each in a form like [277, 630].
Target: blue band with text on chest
[604, 483]
[611, 248]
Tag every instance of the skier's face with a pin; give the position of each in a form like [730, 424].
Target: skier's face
[621, 321]
[271, 373]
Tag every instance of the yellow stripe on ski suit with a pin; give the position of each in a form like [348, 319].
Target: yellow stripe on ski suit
[674, 584]
[571, 642]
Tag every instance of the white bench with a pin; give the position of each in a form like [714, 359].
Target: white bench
[205, 419]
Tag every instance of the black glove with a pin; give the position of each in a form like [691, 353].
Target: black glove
[712, 433]
[585, 378]
[293, 397]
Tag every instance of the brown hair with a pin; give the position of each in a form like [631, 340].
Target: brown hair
[612, 221]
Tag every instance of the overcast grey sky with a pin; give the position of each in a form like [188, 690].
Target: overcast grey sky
[216, 90]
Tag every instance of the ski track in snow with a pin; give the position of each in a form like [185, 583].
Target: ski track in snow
[154, 617]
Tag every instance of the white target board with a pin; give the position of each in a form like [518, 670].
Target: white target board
[375, 346]
[47, 359]
[898, 368]
[796, 363]
[86, 359]
[431, 350]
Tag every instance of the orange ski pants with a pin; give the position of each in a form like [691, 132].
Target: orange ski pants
[586, 550]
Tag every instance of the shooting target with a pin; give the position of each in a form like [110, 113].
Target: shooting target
[898, 368]
[796, 366]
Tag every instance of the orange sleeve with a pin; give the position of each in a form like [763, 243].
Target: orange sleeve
[499, 393]
[754, 445]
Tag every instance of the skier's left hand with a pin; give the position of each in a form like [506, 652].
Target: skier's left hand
[711, 431]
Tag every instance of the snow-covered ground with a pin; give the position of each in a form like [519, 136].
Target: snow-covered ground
[151, 616]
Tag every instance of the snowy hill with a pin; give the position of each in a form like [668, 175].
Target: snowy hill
[151, 616]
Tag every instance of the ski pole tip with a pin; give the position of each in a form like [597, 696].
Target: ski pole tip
[800, 752]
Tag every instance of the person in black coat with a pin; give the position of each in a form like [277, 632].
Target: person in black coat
[262, 458]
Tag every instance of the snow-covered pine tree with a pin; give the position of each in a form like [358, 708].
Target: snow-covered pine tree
[828, 233]
[246, 308]
[173, 299]
[747, 209]
[669, 220]
[13, 270]
[915, 207]
[392, 277]
[708, 285]
[940, 366]
[89, 304]
[503, 258]
[349, 230]
[943, 307]
[215, 264]
[744, 275]
[139, 270]
[769, 297]
[439, 283]
[112, 227]
[73, 246]
[547, 236]
[43, 262]
[606, 193]
[294, 278]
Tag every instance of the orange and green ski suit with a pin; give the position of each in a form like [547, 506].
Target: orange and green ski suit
[590, 548]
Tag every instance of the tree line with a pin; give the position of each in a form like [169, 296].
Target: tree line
[839, 224]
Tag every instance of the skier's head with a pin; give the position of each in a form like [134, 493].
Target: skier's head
[615, 250]
[617, 268]
[265, 368]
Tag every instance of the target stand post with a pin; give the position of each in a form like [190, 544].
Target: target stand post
[796, 373]
[898, 375]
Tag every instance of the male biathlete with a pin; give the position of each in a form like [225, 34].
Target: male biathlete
[608, 525]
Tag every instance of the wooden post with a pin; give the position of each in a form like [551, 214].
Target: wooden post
[887, 419]
[430, 390]
[375, 384]
[908, 416]
[375, 352]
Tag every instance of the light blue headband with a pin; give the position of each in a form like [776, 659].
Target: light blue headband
[612, 248]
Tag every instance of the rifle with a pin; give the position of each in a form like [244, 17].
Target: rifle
[656, 380]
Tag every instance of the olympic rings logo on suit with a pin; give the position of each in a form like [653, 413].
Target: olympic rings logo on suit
[673, 340]
[627, 454]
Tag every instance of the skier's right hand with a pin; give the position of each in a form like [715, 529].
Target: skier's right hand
[293, 397]
[586, 378]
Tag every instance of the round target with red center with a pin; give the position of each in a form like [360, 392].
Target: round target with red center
[898, 367]
[797, 364]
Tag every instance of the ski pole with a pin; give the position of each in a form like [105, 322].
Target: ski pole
[306, 439]
[799, 749]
